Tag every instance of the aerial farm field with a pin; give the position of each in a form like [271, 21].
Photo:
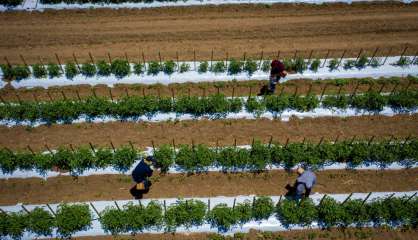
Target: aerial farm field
[92, 92]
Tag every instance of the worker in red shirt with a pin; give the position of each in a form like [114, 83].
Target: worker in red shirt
[277, 71]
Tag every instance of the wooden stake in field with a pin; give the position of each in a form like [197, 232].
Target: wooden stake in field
[59, 63]
[23, 60]
[76, 62]
[325, 60]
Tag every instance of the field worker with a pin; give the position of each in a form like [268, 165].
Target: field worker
[140, 175]
[304, 183]
[277, 71]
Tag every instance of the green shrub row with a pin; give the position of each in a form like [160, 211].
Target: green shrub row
[76, 161]
[198, 158]
[10, 3]
[68, 220]
[216, 105]
[121, 68]
[391, 211]
[259, 156]
[104, 1]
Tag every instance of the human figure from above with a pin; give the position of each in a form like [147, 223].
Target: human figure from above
[303, 186]
[277, 71]
[141, 175]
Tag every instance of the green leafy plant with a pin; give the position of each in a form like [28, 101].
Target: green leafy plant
[330, 213]
[218, 67]
[7, 71]
[300, 65]
[53, 70]
[235, 67]
[403, 61]
[250, 66]
[21, 72]
[355, 213]
[185, 213]
[16, 223]
[262, 208]
[120, 68]
[71, 70]
[73, 218]
[222, 217]
[288, 64]
[11, 3]
[154, 68]
[114, 221]
[88, 69]
[362, 62]
[39, 71]
[164, 156]
[294, 212]
[138, 68]
[349, 64]
[333, 63]
[103, 68]
[265, 66]
[203, 67]
[124, 157]
[371, 101]
[374, 62]
[41, 222]
[184, 67]
[168, 67]
[315, 65]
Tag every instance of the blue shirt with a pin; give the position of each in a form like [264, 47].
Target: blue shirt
[306, 180]
[141, 172]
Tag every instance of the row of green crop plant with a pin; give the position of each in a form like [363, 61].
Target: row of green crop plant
[10, 3]
[216, 105]
[121, 68]
[105, 1]
[199, 158]
[69, 159]
[135, 218]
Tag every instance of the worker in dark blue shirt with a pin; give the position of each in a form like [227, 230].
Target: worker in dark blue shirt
[140, 175]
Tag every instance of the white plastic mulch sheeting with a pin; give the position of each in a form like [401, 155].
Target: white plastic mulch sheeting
[31, 5]
[389, 69]
[177, 169]
[270, 224]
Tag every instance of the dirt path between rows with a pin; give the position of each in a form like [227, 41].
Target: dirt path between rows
[335, 234]
[208, 132]
[234, 29]
[113, 187]
[229, 88]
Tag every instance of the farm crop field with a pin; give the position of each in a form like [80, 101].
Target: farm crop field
[90, 89]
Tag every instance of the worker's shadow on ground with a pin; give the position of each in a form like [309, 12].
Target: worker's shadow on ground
[264, 90]
[291, 191]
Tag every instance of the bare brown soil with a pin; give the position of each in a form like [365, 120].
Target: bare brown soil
[208, 132]
[113, 187]
[232, 29]
[335, 234]
[229, 88]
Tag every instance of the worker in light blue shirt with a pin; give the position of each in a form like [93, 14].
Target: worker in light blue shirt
[304, 183]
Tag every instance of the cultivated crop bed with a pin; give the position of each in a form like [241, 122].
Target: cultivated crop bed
[218, 214]
[120, 71]
[154, 109]
[200, 158]
[84, 97]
